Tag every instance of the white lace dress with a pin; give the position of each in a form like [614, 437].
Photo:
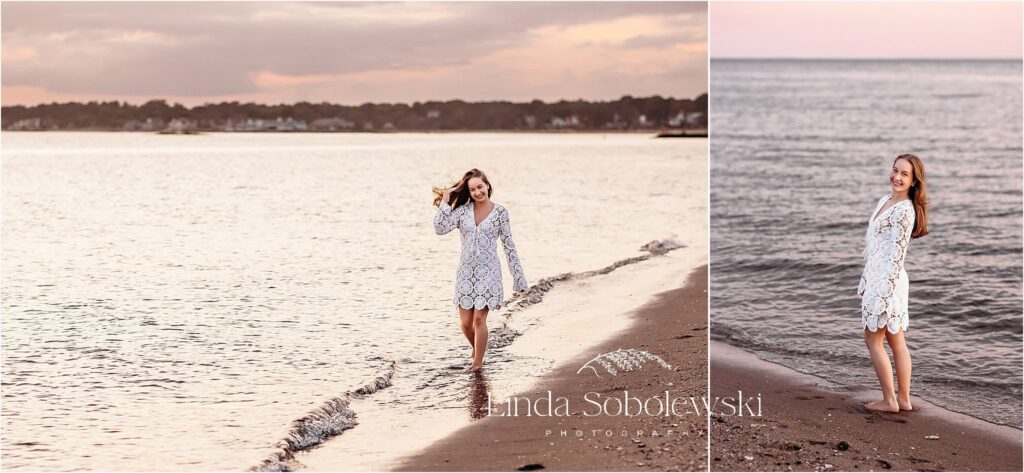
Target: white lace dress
[478, 279]
[884, 284]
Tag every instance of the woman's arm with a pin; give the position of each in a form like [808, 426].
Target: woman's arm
[863, 286]
[445, 220]
[902, 222]
[519, 283]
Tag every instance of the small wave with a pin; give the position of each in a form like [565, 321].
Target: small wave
[799, 266]
[330, 419]
[535, 294]
[957, 96]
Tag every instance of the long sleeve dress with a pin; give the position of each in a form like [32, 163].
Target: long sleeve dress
[478, 279]
[884, 284]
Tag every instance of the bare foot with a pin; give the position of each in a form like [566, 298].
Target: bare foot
[904, 404]
[883, 406]
[473, 367]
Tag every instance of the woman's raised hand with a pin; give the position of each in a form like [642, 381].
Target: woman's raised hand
[447, 193]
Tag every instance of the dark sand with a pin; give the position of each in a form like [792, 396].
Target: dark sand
[674, 327]
[807, 426]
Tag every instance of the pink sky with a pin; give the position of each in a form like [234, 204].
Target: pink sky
[350, 52]
[866, 30]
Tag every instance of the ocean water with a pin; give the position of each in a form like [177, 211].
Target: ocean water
[177, 302]
[800, 154]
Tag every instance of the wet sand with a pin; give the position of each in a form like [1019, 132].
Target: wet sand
[673, 327]
[808, 425]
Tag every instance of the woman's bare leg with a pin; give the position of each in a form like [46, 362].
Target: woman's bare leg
[466, 324]
[880, 360]
[480, 329]
[901, 357]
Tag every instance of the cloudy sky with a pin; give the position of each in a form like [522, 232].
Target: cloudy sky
[284, 52]
[881, 30]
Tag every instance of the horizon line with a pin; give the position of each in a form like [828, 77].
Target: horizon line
[360, 104]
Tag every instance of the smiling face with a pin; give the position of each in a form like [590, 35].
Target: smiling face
[902, 176]
[478, 190]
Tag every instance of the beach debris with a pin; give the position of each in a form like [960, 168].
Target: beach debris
[625, 360]
[531, 467]
[790, 446]
[828, 466]
[748, 458]
[931, 437]
[842, 445]
[884, 464]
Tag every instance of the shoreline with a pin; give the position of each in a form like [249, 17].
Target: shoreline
[652, 131]
[574, 323]
[674, 326]
[809, 424]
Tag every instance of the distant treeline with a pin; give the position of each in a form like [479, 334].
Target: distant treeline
[625, 113]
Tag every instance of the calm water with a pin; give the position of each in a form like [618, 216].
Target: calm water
[175, 302]
[800, 155]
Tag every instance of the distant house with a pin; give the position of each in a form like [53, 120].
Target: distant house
[688, 119]
[433, 114]
[332, 124]
[642, 120]
[28, 124]
[388, 127]
[559, 122]
[180, 125]
[265, 124]
[530, 121]
[677, 120]
[368, 125]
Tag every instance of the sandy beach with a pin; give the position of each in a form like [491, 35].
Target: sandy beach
[809, 425]
[672, 326]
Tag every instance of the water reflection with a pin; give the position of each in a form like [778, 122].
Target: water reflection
[479, 388]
